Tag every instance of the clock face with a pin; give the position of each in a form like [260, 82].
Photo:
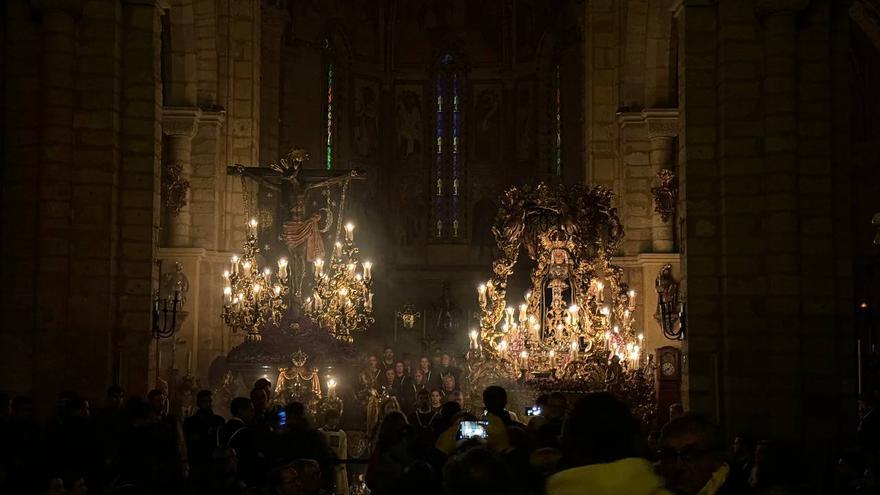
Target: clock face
[668, 368]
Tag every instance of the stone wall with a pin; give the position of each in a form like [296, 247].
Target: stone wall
[764, 261]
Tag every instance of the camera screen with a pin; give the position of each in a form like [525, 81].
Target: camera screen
[533, 411]
[472, 429]
[282, 418]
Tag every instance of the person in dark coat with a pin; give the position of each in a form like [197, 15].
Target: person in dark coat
[200, 431]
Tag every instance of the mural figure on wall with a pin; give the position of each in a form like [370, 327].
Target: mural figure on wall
[486, 141]
[413, 212]
[525, 141]
[409, 123]
[366, 130]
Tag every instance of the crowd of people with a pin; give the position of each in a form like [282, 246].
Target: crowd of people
[426, 441]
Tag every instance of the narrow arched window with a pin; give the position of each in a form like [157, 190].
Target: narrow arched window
[556, 119]
[448, 170]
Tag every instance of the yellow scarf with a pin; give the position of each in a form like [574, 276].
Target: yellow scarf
[716, 481]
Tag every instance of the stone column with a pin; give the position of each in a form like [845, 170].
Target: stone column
[180, 125]
[662, 131]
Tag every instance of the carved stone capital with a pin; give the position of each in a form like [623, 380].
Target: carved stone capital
[765, 8]
[213, 117]
[662, 122]
[180, 121]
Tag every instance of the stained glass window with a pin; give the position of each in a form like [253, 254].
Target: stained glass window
[556, 165]
[447, 176]
[328, 103]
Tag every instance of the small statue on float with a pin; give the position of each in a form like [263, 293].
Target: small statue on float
[297, 383]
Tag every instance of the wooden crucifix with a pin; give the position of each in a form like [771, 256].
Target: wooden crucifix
[300, 232]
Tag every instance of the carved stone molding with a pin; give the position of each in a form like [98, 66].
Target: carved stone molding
[764, 8]
[160, 5]
[661, 122]
[180, 121]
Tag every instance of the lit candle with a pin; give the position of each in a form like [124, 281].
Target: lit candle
[524, 359]
[574, 350]
[352, 267]
[257, 288]
[523, 316]
[282, 268]
[632, 299]
[246, 266]
[573, 312]
[502, 347]
[331, 388]
[349, 231]
[368, 270]
[235, 260]
[319, 267]
[552, 359]
[267, 275]
[227, 295]
[509, 312]
[253, 226]
[277, 290]
[474, 336]
[226, 276]
[600, 288]
[481, 291]
[338, 249]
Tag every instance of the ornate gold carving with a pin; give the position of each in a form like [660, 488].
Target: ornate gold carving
[665, 194]
[175, 187]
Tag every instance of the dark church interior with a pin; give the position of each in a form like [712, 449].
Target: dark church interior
[440, 247]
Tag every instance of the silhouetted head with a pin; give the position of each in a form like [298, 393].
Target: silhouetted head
[115, 397]
[494, 399]
[690, 451]
[477, 471]
[599, 429]
[242, 408]
[205, 400]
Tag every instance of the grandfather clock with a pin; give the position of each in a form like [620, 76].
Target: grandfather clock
[668, 380]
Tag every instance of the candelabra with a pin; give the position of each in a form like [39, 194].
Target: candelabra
[251, 297]
[575, 329]
[563, 318]
[342, 299]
